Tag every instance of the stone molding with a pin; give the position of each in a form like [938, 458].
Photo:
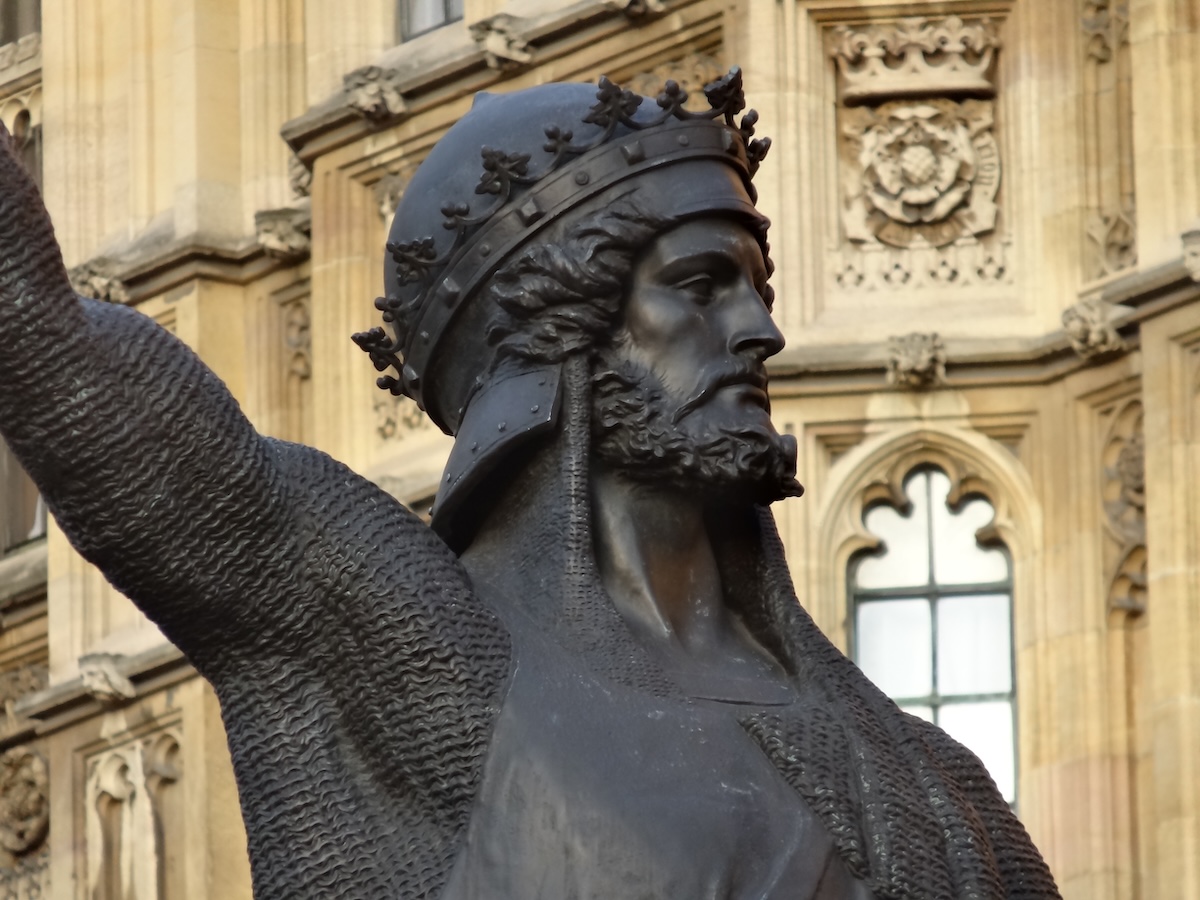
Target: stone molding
[374, 92]
[19, 59]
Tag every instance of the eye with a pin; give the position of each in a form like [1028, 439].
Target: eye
[702, 288]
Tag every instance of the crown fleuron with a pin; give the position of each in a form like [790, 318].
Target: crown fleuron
[915, 57]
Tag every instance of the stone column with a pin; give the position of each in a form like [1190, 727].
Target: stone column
[1165, 45]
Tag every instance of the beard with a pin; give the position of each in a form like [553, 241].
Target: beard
[635, 431]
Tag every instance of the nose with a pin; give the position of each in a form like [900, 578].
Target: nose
[753, 331]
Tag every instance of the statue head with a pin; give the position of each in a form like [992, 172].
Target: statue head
[506, 263]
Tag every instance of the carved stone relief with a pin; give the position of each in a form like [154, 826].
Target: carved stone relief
[285, 233]
[300, 176]
[503, 46]
[24, 801]
[1191, 251]
[95, 279]
[1091, 330]
[129, 818]
[916, 361]
[27, 879]
[297, 334]
[1111, 230]
[928, 172]
[691, 72]
[920, 166]
[19, 682]
[397, 417]
[1123, 489]
[374, 92]
[388, 190]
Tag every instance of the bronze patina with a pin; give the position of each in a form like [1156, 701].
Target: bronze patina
[591, 678]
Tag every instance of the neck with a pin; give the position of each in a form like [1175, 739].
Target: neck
[656, 562]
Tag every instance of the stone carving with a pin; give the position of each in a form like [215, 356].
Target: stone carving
[396, 417]
[20, 682]
[297, 335]
[915, 56]
[388, 191]
[27, 49]
[924, 172]
[95, 279]
[374, 92]
[501, 41]
[916, 361]
[877, 267]
[1123, 489]
[161, 765]
[1106, 25]
[24, 801]
[1191, 251]
[1091, 330]
[691, 72]
[285, 233]
[103, 680]
[1110, 231]
[27, 879]
[525, 642]
[300, 176]
[637, 9]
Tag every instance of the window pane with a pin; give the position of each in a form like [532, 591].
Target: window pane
[454, 9]
[893, 646]
[421, 15]
[974, 645]
[905, 558]
[957, 556]
[987, 729]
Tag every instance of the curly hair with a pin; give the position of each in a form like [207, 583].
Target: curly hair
[557, 297]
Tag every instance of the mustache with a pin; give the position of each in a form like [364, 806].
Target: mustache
[742, 373]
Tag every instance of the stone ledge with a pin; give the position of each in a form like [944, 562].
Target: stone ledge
[62, 705]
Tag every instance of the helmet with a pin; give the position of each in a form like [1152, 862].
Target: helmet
[567, 149]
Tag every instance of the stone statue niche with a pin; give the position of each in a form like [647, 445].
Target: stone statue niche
[590, 677]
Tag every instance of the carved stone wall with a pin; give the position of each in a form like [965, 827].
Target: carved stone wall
[1123, 489]
[1111, 230]
[919, 164]
[133, 820]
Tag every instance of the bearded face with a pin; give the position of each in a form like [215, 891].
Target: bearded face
[634, 431]
[680, 394]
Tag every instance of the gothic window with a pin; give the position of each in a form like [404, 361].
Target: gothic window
[22, 512]
[19, 18]
[932, 619]
[414, 17]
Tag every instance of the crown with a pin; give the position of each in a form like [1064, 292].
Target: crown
[914, 57]
[433, 285]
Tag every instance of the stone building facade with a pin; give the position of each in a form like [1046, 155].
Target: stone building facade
[988, 277]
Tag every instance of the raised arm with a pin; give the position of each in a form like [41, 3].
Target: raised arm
[142, 455]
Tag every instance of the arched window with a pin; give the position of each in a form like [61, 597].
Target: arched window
[932, 619]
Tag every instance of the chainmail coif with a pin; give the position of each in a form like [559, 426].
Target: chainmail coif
[359, 680]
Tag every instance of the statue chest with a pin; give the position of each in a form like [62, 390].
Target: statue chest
[592, 790]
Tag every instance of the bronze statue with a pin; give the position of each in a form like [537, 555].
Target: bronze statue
[591, 678]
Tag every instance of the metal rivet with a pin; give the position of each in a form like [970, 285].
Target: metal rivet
[683, 140]
[541, 381]
[582, 178]
[425, 336]
[633, 153]
[502, 426]
[485, 249]
[474, 446]
[534, 408]
[530, 212]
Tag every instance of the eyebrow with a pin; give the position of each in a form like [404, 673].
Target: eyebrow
[687, 265]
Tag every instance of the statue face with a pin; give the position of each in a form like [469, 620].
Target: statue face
[695, 318]
[680, 396]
